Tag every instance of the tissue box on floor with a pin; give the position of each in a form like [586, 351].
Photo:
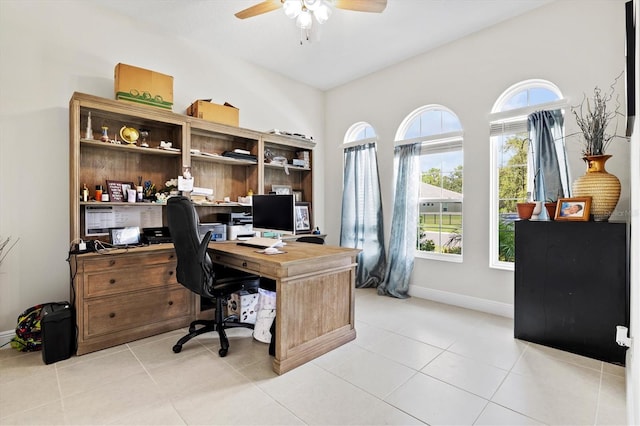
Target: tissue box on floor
[243, 304]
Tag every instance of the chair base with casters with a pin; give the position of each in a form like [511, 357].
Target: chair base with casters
[199, 327]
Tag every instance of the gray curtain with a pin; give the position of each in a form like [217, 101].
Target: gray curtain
[404, 225]
[549, 155]
[362, 222]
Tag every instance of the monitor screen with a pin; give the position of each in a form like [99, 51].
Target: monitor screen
[274, 213]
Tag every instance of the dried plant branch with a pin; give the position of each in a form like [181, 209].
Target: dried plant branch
[593, 119]
[4, 244]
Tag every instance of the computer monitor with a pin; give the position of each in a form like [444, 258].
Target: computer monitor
[274, 213]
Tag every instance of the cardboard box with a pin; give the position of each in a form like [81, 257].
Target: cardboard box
[143, 86]
[243, 304]
[207, 110]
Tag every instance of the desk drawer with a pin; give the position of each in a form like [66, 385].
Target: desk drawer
[118, 261]
[129, 279]
[132, 311]
[235, 262]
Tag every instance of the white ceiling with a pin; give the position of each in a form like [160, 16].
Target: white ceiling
[348, 46]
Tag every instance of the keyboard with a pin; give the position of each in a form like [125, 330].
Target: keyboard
[261, 242]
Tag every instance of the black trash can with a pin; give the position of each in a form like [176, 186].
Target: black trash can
[58, 332]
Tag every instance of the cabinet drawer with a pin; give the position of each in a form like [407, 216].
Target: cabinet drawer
[133, 311]
[235, 262]
[103, 263]
[129, 279]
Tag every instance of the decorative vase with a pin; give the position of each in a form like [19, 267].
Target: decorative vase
[535, 214]
[525, 210]
[601, 186]
[551, 210]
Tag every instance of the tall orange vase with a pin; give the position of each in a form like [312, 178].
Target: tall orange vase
[601, 186]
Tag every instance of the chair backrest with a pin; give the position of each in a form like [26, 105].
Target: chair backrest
[195, 268]
[311, 239]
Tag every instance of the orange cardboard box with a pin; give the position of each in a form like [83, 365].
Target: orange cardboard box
[207, 110]
[143, 86]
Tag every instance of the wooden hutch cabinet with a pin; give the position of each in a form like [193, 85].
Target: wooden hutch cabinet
[122, 295]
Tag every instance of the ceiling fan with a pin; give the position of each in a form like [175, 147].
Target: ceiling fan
[375, 6]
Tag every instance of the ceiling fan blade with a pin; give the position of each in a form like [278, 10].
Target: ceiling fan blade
[375, 6]
[259, 9]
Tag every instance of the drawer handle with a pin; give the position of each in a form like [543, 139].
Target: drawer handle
[170, 256]
[112, 315]
[170, 302]
[244, 264]
[112, 262]
[112, 281]
[170, 273]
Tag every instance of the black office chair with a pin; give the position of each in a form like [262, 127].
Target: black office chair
[196, 272]
[311, 239]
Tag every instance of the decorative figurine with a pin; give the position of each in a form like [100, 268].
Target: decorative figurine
[105, 134]
[88, 134]
[144, 134]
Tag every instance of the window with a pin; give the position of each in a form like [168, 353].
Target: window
[511, 174]
[441, 162]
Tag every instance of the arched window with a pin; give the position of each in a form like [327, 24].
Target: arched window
[511, 163]
[360, 132]
[439, 131]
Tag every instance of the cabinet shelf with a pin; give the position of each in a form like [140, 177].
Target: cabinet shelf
[222, 159]
[130, 148]
[119, 203]
[289, 166]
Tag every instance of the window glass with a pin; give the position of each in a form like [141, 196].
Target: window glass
[360, 131]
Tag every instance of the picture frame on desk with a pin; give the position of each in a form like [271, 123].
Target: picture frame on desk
[118, 190]
[303, 218]
[573, 209]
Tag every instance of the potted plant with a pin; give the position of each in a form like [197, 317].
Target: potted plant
[550, 205]
[526, 208]
[594, 117]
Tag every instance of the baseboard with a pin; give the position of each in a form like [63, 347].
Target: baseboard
[6, 336]
[469, 302]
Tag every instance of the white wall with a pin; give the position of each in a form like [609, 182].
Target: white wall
[576, 45]
[48, 50]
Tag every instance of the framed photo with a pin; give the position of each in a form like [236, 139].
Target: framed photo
[573, 209]
[281, 189]
[303, 218]
[118, 190]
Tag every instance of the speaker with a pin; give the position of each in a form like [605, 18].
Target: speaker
[58, 332]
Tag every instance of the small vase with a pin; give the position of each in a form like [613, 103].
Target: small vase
[601, 186]
[525, 210]
[535, 214]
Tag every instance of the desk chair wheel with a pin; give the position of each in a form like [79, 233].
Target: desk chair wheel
[177, 348]
[223, 352]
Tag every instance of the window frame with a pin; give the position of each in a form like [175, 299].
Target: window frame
[427, 141]
[515, 119]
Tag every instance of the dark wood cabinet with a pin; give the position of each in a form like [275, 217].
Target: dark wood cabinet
[572, 286]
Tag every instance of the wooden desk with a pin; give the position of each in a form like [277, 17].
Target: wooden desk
[315, 287]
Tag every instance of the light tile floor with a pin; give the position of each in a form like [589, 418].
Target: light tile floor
[413, 362]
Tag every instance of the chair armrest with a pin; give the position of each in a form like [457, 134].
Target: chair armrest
[204, 244]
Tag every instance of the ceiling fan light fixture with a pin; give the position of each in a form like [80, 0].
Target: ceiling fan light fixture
[304, 20]
[322, 12]
[292, 8]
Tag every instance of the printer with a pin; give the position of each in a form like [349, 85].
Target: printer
[239, 224]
